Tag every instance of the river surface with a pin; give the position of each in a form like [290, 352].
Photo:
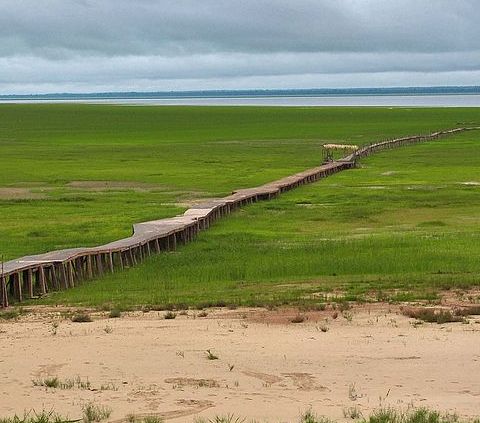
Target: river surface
[451, 100]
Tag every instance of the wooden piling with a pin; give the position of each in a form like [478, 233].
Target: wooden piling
[42, 285]
[3, 292]
[17, 286]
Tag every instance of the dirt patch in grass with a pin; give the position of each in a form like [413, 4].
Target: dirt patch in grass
[470, 183]
[8, 193]
[115, 185]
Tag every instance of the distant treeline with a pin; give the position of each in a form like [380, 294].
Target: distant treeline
[252, 93]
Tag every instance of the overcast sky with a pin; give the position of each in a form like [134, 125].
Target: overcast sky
[150, 45]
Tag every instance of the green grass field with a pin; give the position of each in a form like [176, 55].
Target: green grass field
[405, 225]
[55, 160]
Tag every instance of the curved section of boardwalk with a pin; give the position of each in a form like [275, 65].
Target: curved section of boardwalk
[33, 276]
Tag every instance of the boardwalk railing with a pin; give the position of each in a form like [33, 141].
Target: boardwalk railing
[33, 276]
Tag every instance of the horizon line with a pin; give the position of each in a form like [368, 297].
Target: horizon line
[243, 91]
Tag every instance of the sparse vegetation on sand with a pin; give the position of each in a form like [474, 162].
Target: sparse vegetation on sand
[92, 413]
[98, 413]
[384, 415]
[391, 415]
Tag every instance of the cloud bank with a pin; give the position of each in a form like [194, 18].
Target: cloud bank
[147, 45]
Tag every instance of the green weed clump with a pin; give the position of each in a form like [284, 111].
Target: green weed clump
[34, 417]
[422, 415]
[115, 313]
[12, 313]
[169, 315]
[57, 383]
[95, 413]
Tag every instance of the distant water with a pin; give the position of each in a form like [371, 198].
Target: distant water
[438, 100]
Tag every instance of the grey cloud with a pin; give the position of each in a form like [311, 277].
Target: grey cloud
[96, 43]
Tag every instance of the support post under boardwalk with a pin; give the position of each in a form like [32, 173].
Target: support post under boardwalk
[3, 292]
[71, 275]
[110, 261]
[41, 280]
[17, 287]
[89, 267]
[28, 282]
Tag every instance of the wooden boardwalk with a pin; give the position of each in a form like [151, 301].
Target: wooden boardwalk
[34, 276]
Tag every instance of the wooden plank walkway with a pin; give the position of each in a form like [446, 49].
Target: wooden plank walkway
[34, 276]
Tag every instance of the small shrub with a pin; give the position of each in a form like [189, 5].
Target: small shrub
[53, 328]
[9, 314]
[468, 311]
[152, 419]
[95, 413]
[34, 417]
[228, 418]
[81, 318]
[421, 415]
[56, 383]
[299, 318]
[115, 313]
[108, 387]
[432, 316]
[48, 382]
[352, 392]
[203, 313]
[169, 315]
[310, 417]
[353, 413]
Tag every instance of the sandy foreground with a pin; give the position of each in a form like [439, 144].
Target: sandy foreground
[267, 368]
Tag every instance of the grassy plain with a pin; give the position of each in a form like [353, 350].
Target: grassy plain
[404, 225]
[80, 175]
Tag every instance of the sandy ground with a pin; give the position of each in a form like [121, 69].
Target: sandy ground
[268, 368]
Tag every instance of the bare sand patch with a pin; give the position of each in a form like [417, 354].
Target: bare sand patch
[268, 368]
[115, 185]
[10, 193]
[471, 183]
